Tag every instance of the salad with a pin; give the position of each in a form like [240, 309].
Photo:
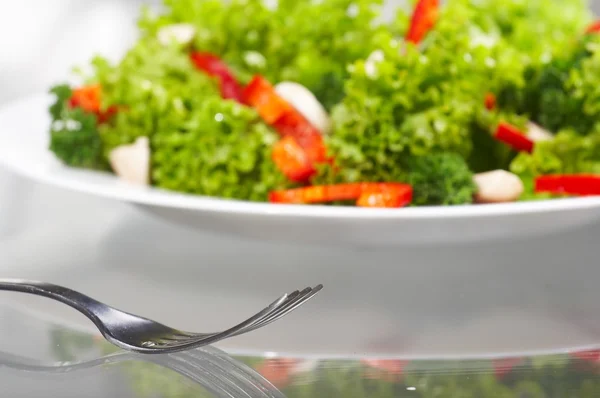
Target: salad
[337, 102]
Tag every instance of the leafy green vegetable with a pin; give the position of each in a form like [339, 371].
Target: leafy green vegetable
[222, 149]
[441, 179]
[562, 93]
[289, 41]
[74, 136]
[154, 85]
[200, 143]
[537, 29]
[421, 102]
[416, 103]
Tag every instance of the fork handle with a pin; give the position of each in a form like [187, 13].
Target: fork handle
[89, 307]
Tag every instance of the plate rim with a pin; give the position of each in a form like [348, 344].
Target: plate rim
[152, 196]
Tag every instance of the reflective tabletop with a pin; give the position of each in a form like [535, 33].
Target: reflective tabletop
[39, 358]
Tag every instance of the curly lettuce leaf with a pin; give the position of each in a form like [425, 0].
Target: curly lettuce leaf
[441, 179]
[200, 143]
[414, 102]
[222, 149]
[562, 93]
[537, 29]
[289, 40]
[152, 85]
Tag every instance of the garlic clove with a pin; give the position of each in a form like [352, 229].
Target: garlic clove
[132, 162]
[498, 186]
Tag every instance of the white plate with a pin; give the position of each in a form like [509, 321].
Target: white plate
[23, 149]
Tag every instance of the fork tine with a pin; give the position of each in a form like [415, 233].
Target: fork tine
[285, 309]
[184, 336]
[210, 339]
[295, 295]
[291, 299]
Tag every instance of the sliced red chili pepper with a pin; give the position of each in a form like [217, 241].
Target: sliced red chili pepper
[385, 198]
[490, 101]
[423, 19]
[593, 28]
[568, 184]
[286, 120]
[214, 66]
[261, 95]
[89, 99]
[393, 194]
[293, 124]
[514, 137]
[292, 160]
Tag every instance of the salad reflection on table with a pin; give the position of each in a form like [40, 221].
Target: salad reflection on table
[440, 105]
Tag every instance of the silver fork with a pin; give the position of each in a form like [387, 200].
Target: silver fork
[134, 333]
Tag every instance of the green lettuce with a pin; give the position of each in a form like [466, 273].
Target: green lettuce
[309, 42]
[200, 143]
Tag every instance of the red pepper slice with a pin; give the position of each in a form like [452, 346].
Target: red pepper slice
[261, 95]
[514, 137]
[86, 98]
[490, 101]
[89, 98]
[286, 120]
[384, 194]
[423, 19]
[214, 66]
[593, 28]
[293, 124]
[569, 184]
[292, 160]
[385, 198]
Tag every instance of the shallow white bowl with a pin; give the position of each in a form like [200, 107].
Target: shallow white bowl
[23, 149]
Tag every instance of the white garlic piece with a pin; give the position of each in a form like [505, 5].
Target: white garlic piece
[498, 186]
[132, 162]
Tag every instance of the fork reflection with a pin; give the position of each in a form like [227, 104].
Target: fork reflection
[218, 373]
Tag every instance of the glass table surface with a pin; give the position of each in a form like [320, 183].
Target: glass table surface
[39, 358]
